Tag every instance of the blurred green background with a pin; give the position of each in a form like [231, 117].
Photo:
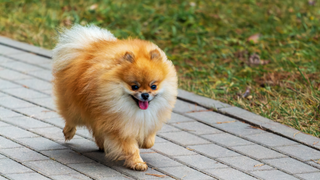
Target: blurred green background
[209, 41]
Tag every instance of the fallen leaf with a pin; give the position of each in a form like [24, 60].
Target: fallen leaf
[254, 59]
[225, 122]
[315, 143]
[246, 93]
[318, 162]
[147, 152]
[296, 133]
[311, 2]
[254, 38]
[190, 149]
[93, 6]
[258, 165]
[156, 175]
[25, 86]
[199, 111]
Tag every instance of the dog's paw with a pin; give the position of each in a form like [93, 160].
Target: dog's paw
[69, 132]
[140, 166]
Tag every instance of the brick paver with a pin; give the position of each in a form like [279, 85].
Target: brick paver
[197, 143]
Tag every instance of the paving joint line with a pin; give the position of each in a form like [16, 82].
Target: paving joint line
[22, 86]
[24, 50]
[25, 73]
[17, 60]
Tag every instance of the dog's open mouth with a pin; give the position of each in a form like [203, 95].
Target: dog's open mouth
[141, 104]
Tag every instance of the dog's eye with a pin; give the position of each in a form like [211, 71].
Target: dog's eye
[135, 87]
[153, 87]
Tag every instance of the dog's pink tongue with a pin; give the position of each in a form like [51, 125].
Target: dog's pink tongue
[143, 105]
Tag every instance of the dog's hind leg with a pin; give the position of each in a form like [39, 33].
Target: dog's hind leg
[69, 131]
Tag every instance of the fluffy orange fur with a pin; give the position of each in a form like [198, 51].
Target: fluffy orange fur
[93, 88]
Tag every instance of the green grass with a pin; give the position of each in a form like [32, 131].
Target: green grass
[207, 41]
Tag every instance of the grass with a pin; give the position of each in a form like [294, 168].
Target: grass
[208, 42]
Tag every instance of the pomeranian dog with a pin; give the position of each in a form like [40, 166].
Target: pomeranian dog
[123, 91]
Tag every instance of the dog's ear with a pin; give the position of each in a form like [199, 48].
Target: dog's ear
[155, 54]
[128, 56]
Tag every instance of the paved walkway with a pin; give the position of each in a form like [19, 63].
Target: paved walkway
[205, 139]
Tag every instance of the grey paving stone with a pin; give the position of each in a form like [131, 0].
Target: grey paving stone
[258, 152]
[197, 128]
[160, 140]
[238, 128]
[45, 102]
[33, 59]
[184, 107]
[291, 165]
[200, 162]
[20, 66]
[25, 46]
[270, 139]
[300, 152]
[214, 151]
[14, 103]
[229, 173]
[49, 91]
[38, 112]
[227, 139]
[2, 124]
[25, 122]
[34, 83]
[8, 85]
[8, 166]
[5, 50]
[67, 156]
[168, 128]
[184, 172]
[27, 176]
[80, 145]
[23, 154]
[6, 143]
[2, 178]
[206, 102]
[172, 149]
[55, 121]
[2, 156]
[310, 176]
[42, 74]
[70, 177]
[49, 167]
[183, 138]
[314, 163]
[210, 117]
[245, 163]
[15, 132]
[101, 158]
[307, 139]
[51, 132]
[25, 93]
[95, 170]
[273, 174]
[158, 160]
[40, 144]
[4, 59]
[177, 118]
[5, 113]
[12, 75]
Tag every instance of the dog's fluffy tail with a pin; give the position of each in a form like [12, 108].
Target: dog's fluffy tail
[73, 40]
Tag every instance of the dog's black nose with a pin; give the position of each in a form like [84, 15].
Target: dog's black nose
[145, 96]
